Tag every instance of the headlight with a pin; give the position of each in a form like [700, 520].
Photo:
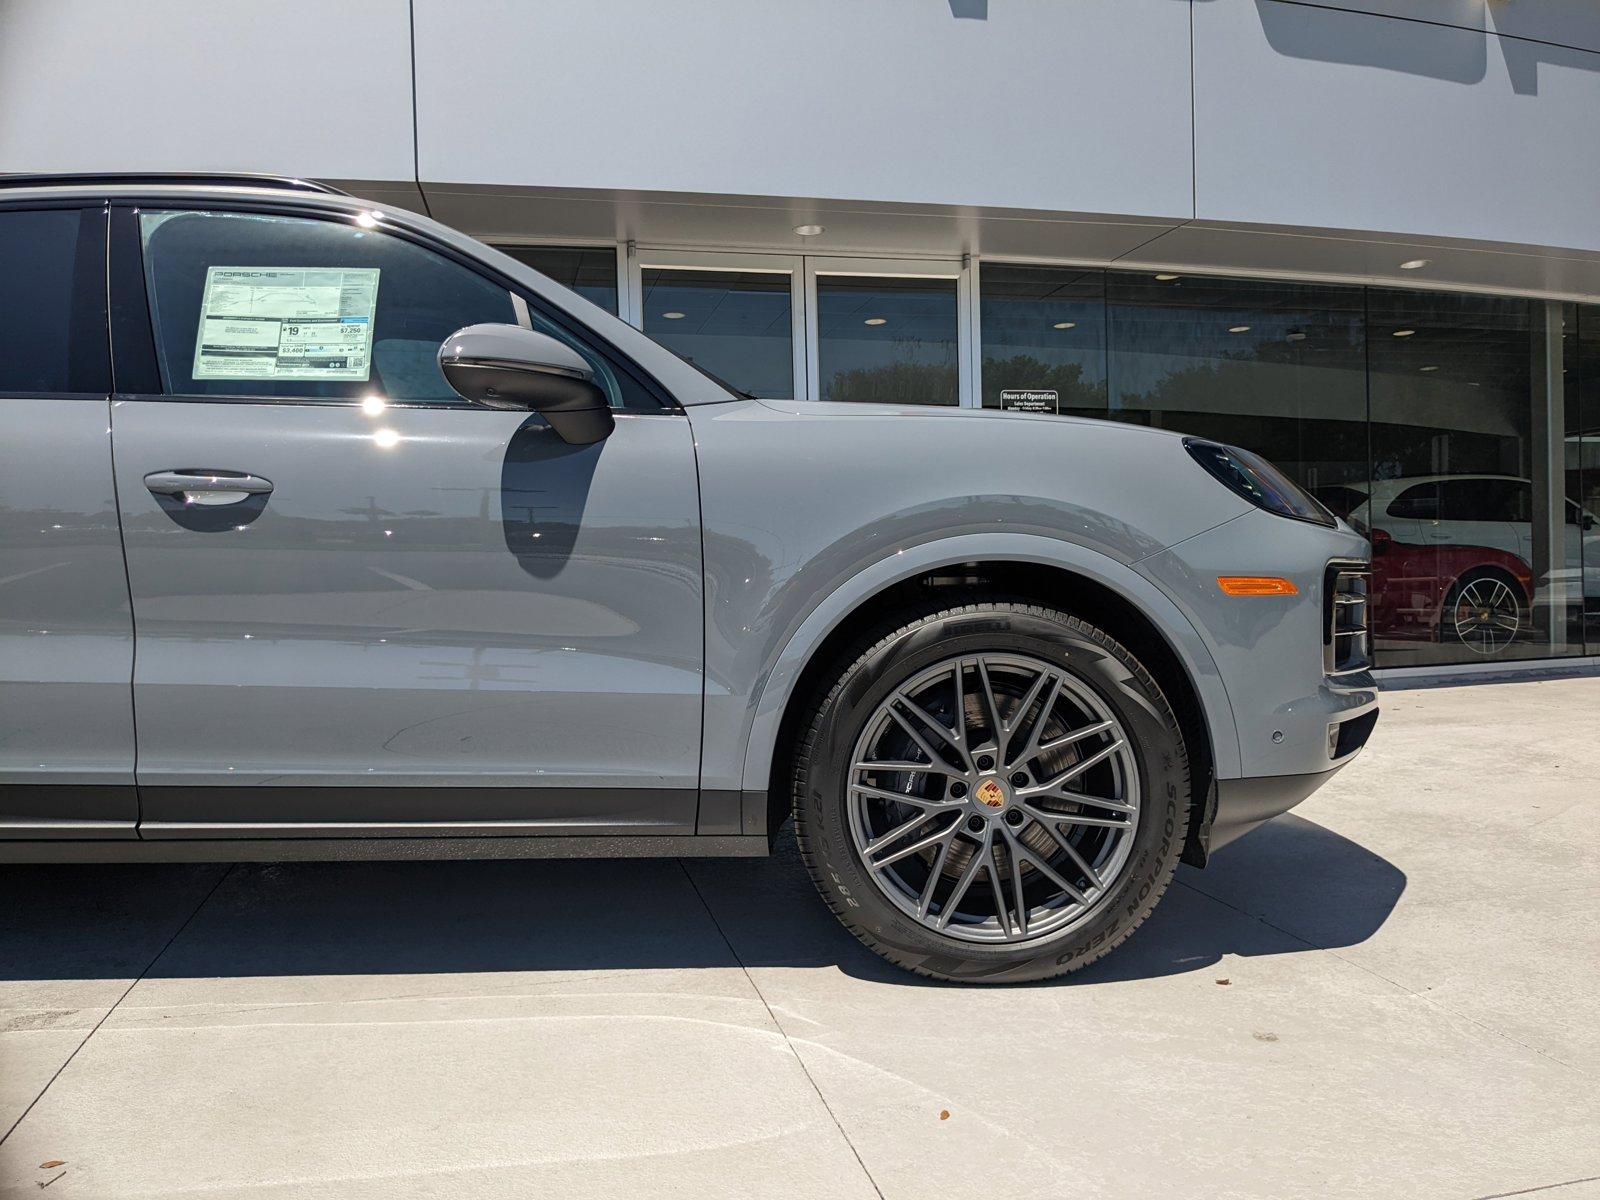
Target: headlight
[1258, 481]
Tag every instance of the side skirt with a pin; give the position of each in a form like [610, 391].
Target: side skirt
[354, 849]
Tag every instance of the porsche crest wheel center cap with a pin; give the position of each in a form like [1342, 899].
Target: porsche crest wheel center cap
[991, 793]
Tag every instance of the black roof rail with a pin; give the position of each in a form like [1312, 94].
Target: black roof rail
[192, 178]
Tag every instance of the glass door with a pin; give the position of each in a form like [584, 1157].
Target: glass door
[888, 331]
[736, 316]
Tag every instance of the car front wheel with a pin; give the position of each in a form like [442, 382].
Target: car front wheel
[991, 792]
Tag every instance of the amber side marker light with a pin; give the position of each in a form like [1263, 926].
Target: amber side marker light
[1256, 585]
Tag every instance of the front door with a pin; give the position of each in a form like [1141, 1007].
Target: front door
[360, 601]
[66, 642]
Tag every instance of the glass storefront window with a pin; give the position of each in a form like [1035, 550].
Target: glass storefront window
[589, 271]
[738, 325]
[887, 340]
[1044, 339]
[1582, 457]
[1275, 367]
[1474, 556]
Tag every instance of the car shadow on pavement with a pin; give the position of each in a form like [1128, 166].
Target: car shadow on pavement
[1290, 887]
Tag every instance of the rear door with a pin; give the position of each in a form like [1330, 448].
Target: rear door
[362, 604]
[66, 644]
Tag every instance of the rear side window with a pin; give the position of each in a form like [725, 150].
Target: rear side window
[258, 305]
[1418, 503]
[52, 302]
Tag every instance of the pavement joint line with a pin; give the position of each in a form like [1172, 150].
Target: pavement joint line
[1404, 987]
[782, 1032]
[104, 1017]
[1543, 1187]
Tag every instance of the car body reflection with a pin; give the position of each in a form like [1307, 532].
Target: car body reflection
[1453, 555]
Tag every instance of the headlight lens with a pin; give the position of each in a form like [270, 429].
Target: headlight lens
[1258, 481]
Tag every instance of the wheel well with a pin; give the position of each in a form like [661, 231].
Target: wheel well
[1081, 596]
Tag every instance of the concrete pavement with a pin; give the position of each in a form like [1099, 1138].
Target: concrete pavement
[1393, 991]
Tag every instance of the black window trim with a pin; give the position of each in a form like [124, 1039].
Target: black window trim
[133, 331]
[23, 203]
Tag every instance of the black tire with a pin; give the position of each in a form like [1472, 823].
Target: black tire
[895, 652]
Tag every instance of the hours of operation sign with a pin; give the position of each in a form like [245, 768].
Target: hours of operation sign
[1044, 400]
[286, 323]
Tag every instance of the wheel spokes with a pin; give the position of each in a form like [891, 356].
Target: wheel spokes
[1061, 779]
[947, 856]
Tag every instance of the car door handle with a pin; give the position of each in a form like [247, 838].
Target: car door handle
[206, 486]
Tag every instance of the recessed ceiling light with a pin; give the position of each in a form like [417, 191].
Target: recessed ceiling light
[809, 230]
[368, 220]
[386, 438]
[1166, 278]
[1427, 368]
[1413, 264]
[1065, 325]
[1296, 336]
[877, 320]
[1238, 329]
[1404, 332]
[672, 316]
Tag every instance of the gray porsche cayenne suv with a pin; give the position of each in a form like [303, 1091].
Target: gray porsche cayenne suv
[328, 532]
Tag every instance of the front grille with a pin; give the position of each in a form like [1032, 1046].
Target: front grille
[1346, 642]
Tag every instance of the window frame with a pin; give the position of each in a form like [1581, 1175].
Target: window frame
[134, 374]
[80, 291]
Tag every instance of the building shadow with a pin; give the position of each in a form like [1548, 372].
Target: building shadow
[1454, 51]
[1291, 887]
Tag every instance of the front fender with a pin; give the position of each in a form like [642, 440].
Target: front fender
[776, 683]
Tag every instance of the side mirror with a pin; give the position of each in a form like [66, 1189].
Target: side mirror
[507, 366]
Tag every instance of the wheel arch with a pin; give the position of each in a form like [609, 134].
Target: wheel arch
[1493, 569]
[1089, 584]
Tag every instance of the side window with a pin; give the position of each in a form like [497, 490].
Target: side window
[52, 302]
[1419, 503]
[258, 305]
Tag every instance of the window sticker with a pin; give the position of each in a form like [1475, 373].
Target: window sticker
[286, 323]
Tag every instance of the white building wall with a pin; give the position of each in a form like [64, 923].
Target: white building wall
[1080, 106]
[300, 87]
[1313, 116]
[1329, 139]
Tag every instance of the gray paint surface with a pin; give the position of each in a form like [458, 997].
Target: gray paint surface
[66, 643]
[444, 596]
[453, 597]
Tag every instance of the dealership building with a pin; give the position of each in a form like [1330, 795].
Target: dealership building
[1361, 237]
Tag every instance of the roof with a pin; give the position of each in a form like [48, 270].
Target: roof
[178, 178]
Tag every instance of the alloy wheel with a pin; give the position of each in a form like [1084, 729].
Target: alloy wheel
[1486, 615]
[994, 798]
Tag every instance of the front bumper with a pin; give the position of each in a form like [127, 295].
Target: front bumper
[1236, 806]
[1299, 706]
